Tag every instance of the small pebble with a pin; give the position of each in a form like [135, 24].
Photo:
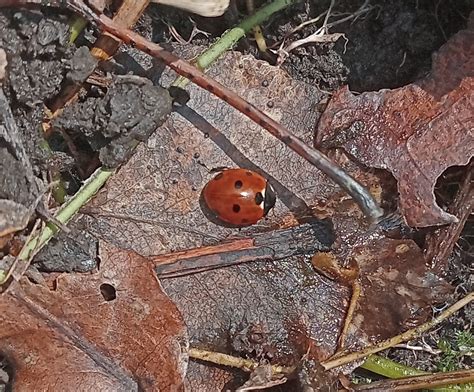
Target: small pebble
[179, 149]
[265, 83]
[196, 155]
[270, 104]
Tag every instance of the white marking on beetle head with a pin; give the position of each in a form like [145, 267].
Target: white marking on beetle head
[262, 204]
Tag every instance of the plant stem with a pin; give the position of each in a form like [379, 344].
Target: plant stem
[90, 187]
[232, 36]
[391, 369]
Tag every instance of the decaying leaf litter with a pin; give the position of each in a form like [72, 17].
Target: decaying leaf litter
[278, 311]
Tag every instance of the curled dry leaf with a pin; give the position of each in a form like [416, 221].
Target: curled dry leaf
[416, 132]
[112, 330]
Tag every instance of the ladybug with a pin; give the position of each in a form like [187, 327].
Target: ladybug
[237, 198]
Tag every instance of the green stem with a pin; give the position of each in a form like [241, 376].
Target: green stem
[231, 37]
[78, 24]
[90, 187]
[391, 369]
[388, 368]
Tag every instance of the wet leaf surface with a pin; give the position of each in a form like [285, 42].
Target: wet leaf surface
[262, 310]
[416, 132]
[152, 206]
[398, 287]
[110, 330]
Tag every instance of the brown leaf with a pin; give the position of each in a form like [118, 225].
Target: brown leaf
[152, 206]
[112, 330]
[416, 132]
[398, 287]
[270, 310]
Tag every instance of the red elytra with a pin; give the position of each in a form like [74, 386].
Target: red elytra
[237, 198]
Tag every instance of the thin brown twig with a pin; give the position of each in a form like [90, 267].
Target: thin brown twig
[19, 266]
[361, 195]
[104, 48]
[237, 362]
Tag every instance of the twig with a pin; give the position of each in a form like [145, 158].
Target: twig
[343, 358]
[419, 382]
[280, 244]
[4, 278]
[228, 360]
[104, 47]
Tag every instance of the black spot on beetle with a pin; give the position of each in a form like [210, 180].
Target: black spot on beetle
[247, 109]
[259, 198]
[236, 208]
[238, 184]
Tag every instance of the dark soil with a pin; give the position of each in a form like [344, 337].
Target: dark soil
[389, 46]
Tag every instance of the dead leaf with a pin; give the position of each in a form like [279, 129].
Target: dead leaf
[398, 288]
[152, 206]
[269, 310]
[416, 132]
[112, 330]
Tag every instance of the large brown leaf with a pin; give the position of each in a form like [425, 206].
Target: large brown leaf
[78, 337]
[263, 309]
[416, 132]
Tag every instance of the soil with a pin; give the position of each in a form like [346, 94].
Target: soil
[389, 46]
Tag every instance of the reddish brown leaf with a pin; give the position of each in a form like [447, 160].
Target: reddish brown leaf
[152, 206]
[78, 337]
[273, 310]
[416, 132]
[398, 287]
